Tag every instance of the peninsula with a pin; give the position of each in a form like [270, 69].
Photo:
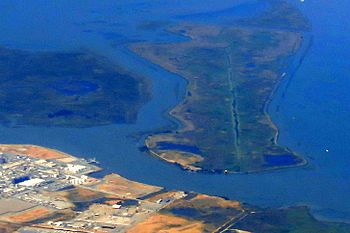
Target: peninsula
[232, 71]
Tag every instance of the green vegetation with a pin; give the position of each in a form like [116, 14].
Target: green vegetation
[73, 89]
[291, 220]
[213, 212]
[232, 73]
[220, 215]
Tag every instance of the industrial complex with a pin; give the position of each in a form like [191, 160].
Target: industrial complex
[53, 192]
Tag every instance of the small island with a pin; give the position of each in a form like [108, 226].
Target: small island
[67, 89]
[44, 190]
[232, 72]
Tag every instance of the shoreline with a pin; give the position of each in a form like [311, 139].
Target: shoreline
[113, 187]
[304, 163]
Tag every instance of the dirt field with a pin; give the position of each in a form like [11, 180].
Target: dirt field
[184, 159]
[82, 194]
[13, 206]
[29, 215]
[120, 186]
[162, 223]
[8, 227]
[206, 200]
[33, 151]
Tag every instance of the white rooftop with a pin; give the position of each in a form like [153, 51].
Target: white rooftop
[31, 182]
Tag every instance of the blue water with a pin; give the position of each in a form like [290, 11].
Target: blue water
[228, 15]
[313, 108]
[283, 160]
[74, 87]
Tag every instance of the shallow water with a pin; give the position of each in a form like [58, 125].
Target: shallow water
[313, 111]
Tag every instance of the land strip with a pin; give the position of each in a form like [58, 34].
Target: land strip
[232, 71]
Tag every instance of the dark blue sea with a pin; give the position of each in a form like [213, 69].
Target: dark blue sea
[313, 102]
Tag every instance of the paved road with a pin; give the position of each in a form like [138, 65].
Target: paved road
[226, 227]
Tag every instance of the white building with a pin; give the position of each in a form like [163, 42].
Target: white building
[31, 182]
[75, 168]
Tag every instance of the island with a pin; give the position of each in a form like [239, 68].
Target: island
[67, 89]
[232, 71]
[44, 190]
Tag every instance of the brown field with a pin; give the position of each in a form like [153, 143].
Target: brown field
[33, 151]
[83, 194]
[161, 223]
[184, 159]
[213, 212]
[120, 186]
[13, 206]
[215, 201]
[29, 215]
[202, 201]
[6, 227]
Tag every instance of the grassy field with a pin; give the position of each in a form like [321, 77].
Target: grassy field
[194, 213]
[291, 220]
[232, 72]
[72, 89]
[202, 213]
